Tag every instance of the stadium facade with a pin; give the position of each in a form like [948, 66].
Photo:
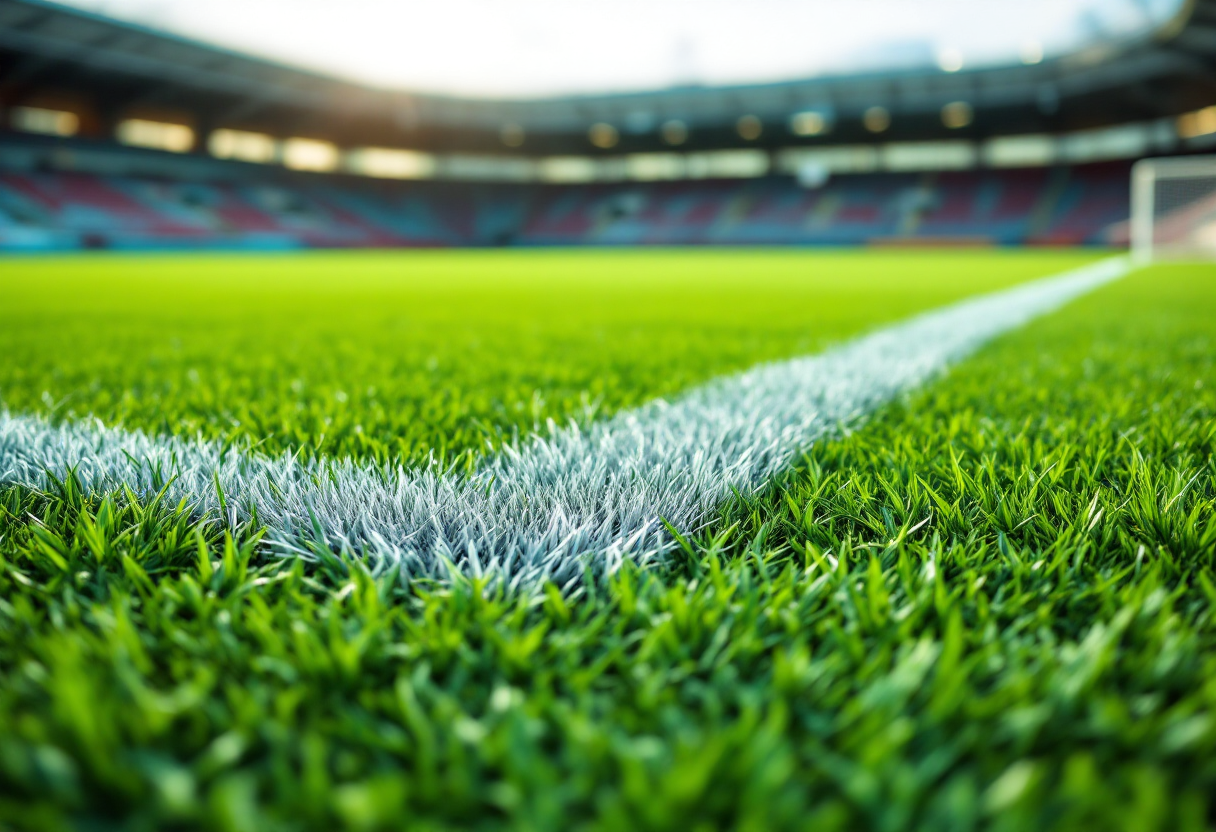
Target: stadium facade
[119, 136]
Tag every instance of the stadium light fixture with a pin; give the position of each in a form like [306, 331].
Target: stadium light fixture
[876, 119]
[929, 156]
[809, 123]
[674, 132]
[390, 163]
[567, 169]
[512, 135]
[603, 135]
[749, 128]
[1199, 123]
[950, 59]
[727, 164]
[44, 121]
[1032, 52]
[242, 145]
[857, 158]
[957, 114]
[155, 135]
[651, 167]
[310, 154]
[1025, 151]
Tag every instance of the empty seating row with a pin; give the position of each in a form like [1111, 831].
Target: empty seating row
[47, 209]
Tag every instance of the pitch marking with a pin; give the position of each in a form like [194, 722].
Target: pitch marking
[575, 499]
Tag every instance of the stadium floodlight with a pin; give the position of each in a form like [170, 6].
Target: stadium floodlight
[1174, 209]
[876, 119]
[47, 122]
[811, 123]
[1031, 52]
[749, 127]
[674, 131]
[310, 154]
[950, 59]
[957, 114]
[157, 135]
[243, 145]
[603, 135]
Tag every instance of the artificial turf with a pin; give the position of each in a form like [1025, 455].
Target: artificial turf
[398, 357]
[991, 607]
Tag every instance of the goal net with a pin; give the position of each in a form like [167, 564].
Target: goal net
[1174, 209]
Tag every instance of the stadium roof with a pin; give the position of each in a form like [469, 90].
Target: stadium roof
[112, 68]
[530, 48]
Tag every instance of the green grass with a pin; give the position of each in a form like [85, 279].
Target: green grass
[398, 356]
[991, 607]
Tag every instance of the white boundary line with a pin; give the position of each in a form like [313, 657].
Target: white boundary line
[561, 503]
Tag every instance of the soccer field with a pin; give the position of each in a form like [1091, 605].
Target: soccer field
[987, 605]
[398, 356]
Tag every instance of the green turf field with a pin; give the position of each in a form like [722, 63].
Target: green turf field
[395, 356]
[990, 607]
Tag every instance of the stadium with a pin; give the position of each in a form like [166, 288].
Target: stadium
[1035, 153]
[810, 446]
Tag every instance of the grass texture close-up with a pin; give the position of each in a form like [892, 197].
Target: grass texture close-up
[989, 606]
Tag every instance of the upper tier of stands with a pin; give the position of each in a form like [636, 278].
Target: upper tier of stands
[42, 209]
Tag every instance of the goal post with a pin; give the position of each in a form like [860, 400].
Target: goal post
[1174, 209]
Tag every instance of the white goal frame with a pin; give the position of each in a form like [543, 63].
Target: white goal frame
[1173, 209]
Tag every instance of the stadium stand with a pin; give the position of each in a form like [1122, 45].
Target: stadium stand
[112, 65]
[49, 209]
[1002, 155]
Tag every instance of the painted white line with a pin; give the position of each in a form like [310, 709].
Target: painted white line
[573, 500]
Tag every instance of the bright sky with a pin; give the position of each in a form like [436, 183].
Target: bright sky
[540, 47]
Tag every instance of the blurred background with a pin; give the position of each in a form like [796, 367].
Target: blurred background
[274, 124]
